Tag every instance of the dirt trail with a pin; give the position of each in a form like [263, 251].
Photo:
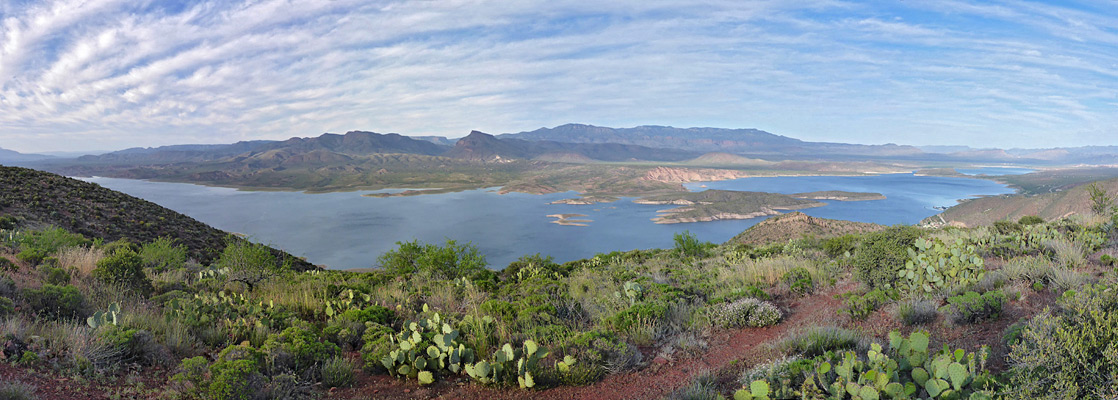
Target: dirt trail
[747, 345]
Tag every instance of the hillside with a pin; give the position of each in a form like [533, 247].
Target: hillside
[13, 157]
[795, 225]
[1050, 206]
[42, 198]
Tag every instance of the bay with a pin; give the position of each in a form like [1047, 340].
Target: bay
[347, 230]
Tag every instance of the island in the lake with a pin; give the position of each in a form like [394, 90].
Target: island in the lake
[566, 219]
[713, 205]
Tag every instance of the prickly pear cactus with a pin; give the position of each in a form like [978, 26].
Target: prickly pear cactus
[511, 365]
[427, 347]
[934, 265]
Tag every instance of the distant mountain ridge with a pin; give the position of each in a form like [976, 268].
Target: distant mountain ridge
[481, 146]
[12, 156]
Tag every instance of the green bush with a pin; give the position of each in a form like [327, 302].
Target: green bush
[7, 265]
[451, 261]
[378, 343]
[881, 254]
[785, 375]
[297, 349]
[687, 245]
[123, 267]
[972, 307]
[163, 254]
[37, 245]
[59, 302]
[859, 306]
[745, 312]
[133, 345]
[373, 313]
[7, 307]
[1006, 227]
[840, 246]
[249, 263]
[1069, 351]
[8, 222]
[1030, 220]
[799, 281]
[741, 293]
[54, 275]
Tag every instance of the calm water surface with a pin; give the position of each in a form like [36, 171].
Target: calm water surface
[347, 230]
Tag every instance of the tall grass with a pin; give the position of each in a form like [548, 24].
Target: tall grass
[765, 272]
[1030, 268]
[816, 340]
[1069, 254]
[81, 259]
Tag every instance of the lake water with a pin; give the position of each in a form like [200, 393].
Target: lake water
[347, 230]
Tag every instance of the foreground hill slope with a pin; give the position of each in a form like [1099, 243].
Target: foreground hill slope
[1050, 206]
[44, 198]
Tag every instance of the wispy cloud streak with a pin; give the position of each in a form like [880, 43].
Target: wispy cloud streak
[109, 74]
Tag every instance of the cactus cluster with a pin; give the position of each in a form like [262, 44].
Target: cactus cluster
[347, 301]
[232, 310]
[110, 316]
[508, 363]
[937, 265]
[212, 272]
[426, 347]
[908, 372]
[631, 290]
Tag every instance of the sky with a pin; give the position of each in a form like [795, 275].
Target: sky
[80, 75]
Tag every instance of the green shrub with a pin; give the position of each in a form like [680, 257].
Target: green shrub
[799, 281]
[373, 313]
[297, 349]
[1006, 227]
[163, 254]
[818, 340]
[37, 245]
[237, 374]
[8, 222]
[338, 372]
[54, 275]
[451, 261]
[133, 345]
[745, 312]
[15, 390]
[602, 352]
[7, 307]
[1030, 220]
[702, 387]
[972, 307]
[1105, 259]
[840, 246]
[917, 312]
[687, 245]
[859, 306]
[60, 302]
[378, 344]
[249, 263]
[123, 267]
[881, 254]
[1069, 351]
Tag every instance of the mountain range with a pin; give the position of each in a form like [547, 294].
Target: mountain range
[570, 143]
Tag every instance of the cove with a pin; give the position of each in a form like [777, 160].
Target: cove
[345, 230]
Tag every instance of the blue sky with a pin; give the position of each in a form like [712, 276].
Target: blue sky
[111, 74]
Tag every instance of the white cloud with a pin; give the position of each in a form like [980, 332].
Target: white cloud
[114, 74]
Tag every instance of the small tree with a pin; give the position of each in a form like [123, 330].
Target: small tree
[250, 263]
[449, 262]
[1102, 203]
[688, 245]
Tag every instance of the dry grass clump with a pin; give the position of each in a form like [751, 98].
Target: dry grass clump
[81, 259]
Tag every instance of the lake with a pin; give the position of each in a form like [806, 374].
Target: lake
[347, 230]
